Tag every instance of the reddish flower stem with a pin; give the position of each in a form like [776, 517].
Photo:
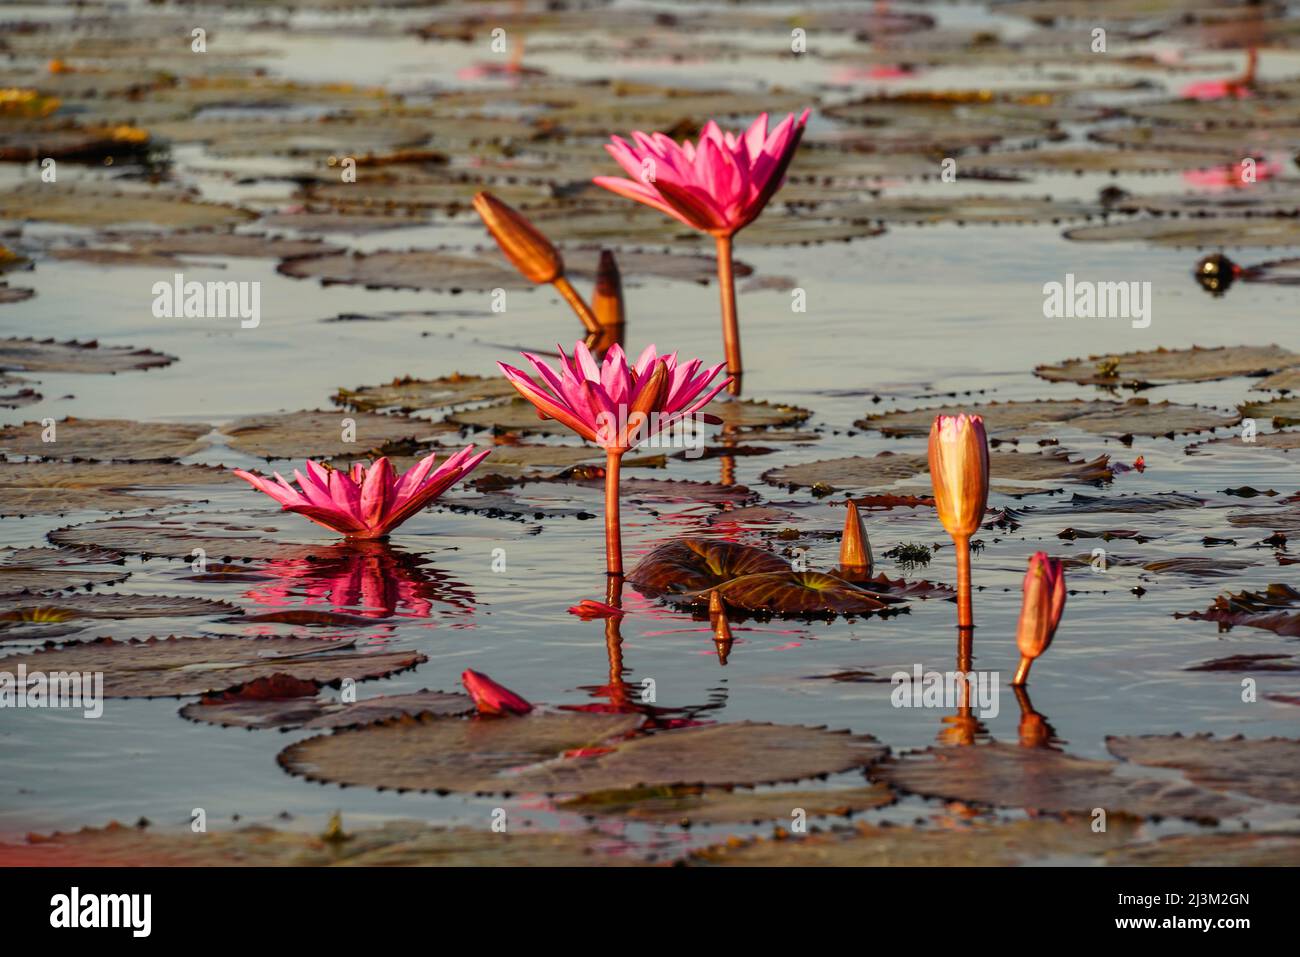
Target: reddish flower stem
[1022, 673]
[730, 322]
[578, 304]
[613, 531]
[965, 615]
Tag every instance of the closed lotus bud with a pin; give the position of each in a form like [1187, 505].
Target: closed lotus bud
[855, 547]
[1044, 601]
[607, 300]
[524, 245]
[492, 698]
[959, 471]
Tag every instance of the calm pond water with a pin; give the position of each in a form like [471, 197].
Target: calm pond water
[912, 317]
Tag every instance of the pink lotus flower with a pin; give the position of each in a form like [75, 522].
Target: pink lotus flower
[610, 403]
[492, 698]
[616, 407]
[365, 503]
[717, 185]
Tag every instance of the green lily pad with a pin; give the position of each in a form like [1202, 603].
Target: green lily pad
[1262, 768]
[176, 667]
[523, 755]
[1135, 370]
[1038, 779]
[105, 440]
[46, 355]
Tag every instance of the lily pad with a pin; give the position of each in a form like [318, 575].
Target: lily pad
[407, 394]
[46, 355]
[1216, 231]
[224, 536]
[690, 806]
[796, 594]
[1038, 779]
[56, 488]
[82, 206]
[1041, 418]
[1114, 162]
[247, 708]
[320, 434]
[175, 667]
[928, 210]
[694, 564]
[1281, 412]
[1275, 609]
[395, 843]
[980, 845]
[1136, 370]
[523, 755]
[36, 570]
[1262, 768]
[105, 440]
[1238, 849]
[10, 293]
[1284, 442]
[60, 608]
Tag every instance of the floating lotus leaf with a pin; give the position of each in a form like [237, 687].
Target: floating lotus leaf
[1262, 768]
[82, 206]
[1283, 442]
[1080, 160]
[115, 257]
[16, 392]
[1281, 519]
[235, 245]
[355, 221]
[64, 142]
[414, 188]
[691, 806]
[1197, 566]
[753, 414]
[1250, 663]
[319, 434]
[1038, 779]
[1130, 504]
[46, 355]
[1250, 113]
[240, 709]
[224, 536]
[115, 440]
[1286, 379]
[522, 458]
[395, 843]
[1281, 412]
[55, 569]
[411, 395]
[979, 845]
[1216, 231]
[921, 210]
[10, 294]
[887, 468]
[693, 564]
[175, 667]
[1042, 418]
[1239, 849]
[1168, 366]
[1173, 11]
[515, 415]
[356, 136]
[523, 755]
[56, 488]
[796, 593]
[60, 608]
[1241, 142]
[1276, 609]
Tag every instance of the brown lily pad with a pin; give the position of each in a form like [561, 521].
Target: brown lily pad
[407, 394]
[690, 806]
[56, 488]
[1038, 779]
[47, 355]
[1217, 231]
[1136, 370]
[319, 434]
[1262, 768]
[1249, 664]
[523, 755]
[105, 440]
[1239, 849]
[694, 564]
[224, 536]
[1275, 609]
[928, 210]
[82, 206]
[1281, 412]
[1284, 442]
[10, 293]
[38, 570]
[979, 845]
[176, 667]
[241, 709]
[1081, 160]
[796, 593]
[60, 608]
[1040, 418]
[395, 843]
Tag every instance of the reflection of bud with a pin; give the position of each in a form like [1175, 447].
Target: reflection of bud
[1216, 273]
[1044, 600]
[524, 245]
[607, 300]
[722, 638]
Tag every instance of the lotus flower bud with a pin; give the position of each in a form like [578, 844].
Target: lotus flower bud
[959, 471]
[524, 245]
[1044, 600]
[492, 698]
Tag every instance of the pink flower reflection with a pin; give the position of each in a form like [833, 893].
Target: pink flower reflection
[370, 579]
